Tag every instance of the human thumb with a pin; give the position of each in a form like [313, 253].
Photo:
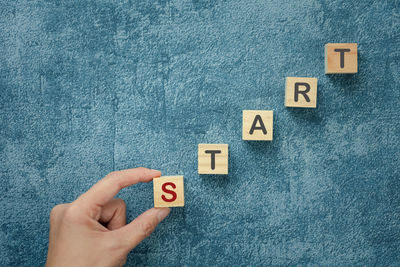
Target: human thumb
[141, 227]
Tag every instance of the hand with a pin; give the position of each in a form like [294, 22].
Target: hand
[92, 230]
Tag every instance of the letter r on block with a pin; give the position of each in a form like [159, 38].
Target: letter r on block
[301, 92]
[213, 159]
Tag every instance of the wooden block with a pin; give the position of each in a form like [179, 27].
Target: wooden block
[341, 58]
[168, 191]
[257, 125]
[301, 92]
[213, 159]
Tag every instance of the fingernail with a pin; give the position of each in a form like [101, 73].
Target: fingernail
[155, 171]
[162, 213]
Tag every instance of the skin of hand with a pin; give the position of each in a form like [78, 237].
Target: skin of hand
[92, 230]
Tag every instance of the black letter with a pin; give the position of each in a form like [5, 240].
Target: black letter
[304, 93]
[261, 127]
[212, 152]
[342, 51]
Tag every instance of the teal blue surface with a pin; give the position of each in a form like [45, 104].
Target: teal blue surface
[88, 87]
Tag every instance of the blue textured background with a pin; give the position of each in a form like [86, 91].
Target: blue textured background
[88, 87]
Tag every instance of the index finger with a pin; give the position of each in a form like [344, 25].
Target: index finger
[108, 187]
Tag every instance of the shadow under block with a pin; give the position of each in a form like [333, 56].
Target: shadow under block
[340, 58]
[213, 159]
[257, 125]
[301, 92]
[168, 191]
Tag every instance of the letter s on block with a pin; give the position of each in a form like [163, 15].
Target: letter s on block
[174, 196]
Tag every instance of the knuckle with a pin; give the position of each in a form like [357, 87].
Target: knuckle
[112, 178]
[71, 213]
[121, 203]
[113, 244]
[113, 174]
[148, 227]
[117, 247]
[56, 211]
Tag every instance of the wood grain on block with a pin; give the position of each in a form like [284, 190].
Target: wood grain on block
[341, 58]
[168, 191]
[257, 125]
[301, 92]
[213, 159]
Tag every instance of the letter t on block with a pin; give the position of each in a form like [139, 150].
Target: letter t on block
[168, 191]
[213, 159]
[301, 92]
[340, 58]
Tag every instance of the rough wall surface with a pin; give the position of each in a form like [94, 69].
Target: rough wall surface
[88, 87]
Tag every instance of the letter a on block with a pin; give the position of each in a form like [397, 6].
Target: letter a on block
[301, 92]
[341, 58]
[213, 159]
[257, 125]
[168, 191]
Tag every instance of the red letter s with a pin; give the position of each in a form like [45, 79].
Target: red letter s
[169, 192]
